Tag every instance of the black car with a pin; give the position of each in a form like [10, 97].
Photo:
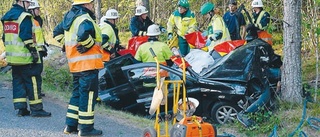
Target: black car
[223, 89]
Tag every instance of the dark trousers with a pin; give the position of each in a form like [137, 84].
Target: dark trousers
[84, 96]
[26, 85]
[183, 46]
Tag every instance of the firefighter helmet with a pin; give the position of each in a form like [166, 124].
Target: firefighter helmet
[112, 14]
[205, 8]
[256, 3]
[141, 10]
[153, 30]
[34, 4]
[78, 2]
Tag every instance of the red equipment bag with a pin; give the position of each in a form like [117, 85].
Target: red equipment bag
[193, 126]
[135, 42]
[196, 39]
[226, 47]
[126, 51]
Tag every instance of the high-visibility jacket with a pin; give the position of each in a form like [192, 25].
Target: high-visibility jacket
[90, 60]
[38, 37]
[161, 50]
[262, 22]
[16, 51]
[217, 25]
[184, 23]
[106, 29]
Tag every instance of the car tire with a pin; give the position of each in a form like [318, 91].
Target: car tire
[149, 132]
[223, 112]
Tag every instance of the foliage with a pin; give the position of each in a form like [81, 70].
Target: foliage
[56, 75]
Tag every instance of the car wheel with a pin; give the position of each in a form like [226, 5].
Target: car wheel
[223, 112]
[149, 132]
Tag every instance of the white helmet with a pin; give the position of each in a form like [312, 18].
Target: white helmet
[27, 0]
[112, 14]
[153, 30]
[34, 4]
[257, 3]
[141, 10]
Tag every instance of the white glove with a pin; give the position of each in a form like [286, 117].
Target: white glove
[175, 51]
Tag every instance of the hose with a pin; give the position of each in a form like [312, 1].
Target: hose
[309, 121]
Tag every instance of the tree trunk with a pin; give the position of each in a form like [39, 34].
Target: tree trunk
[98, 10]
[291, 81]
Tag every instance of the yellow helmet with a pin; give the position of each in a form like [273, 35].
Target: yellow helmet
[78, 2]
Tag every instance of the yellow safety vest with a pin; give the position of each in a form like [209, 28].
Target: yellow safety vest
[38, 38]
[16, 51]
[217, 24]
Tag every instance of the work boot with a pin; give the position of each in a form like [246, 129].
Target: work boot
[23, 112]
[93, 132]
[70, 130]
[40, 113]
[243, 119]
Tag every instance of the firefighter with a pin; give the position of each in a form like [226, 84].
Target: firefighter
[38, 38]
[260, 21]
[110, 34]
[184, 20]
[217, 29]
[82, 38]
[22, 55]
[140, 22]
[161, 49]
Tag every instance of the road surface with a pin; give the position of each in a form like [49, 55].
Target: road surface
[14, 126]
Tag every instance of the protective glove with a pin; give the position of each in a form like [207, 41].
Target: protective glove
[43, 53]
[33, 52]
[204, 33]
[170, 36]
[208, 42]
[175, 51]
[82, 49]
[163, 30]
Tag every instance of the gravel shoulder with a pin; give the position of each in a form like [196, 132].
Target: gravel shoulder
[14, 126]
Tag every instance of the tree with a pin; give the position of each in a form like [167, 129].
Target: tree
[291, 80]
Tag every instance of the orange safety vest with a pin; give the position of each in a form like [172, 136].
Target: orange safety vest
[90, 60]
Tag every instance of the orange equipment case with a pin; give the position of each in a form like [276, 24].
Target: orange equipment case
[193, 126]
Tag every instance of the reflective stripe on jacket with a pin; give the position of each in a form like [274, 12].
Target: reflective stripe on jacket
[16, 51]
[90, 60]
[217, 25]
[38, 37]
[184, 25]
[263, 25]
[262, 20]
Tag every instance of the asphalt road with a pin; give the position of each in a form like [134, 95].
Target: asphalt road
[14, 126]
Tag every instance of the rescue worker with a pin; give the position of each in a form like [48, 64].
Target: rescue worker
[235, 21]
[184, 20]
[140, 22]
[110, 34]
[22, 55]
[160, 49]
[260, 21]
[217, 29]
[38, 38]
[82, 38]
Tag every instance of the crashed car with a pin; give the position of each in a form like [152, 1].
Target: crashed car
[231, 84]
